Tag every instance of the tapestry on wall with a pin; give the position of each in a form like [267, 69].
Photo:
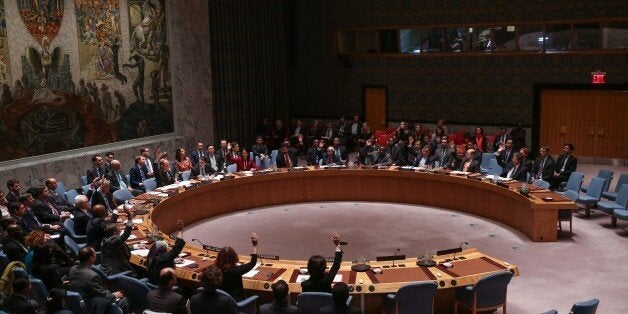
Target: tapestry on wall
[48, 112]
[5, 71]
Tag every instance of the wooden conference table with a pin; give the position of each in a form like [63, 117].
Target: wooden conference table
[531, 215]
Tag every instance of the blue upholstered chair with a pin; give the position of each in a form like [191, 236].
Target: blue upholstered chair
[70, 196]
[150, 184]
[604, 174]
[550, 312]
[68, 224]
[594, 193]
[85, 188]
[135, 291]
[567, 214]
[122, 194]
[75, 304]
[39, 292]
[486, 162]
[4, 261]
[185, 175]
[623, 179]
[540, 183]
[489, 293]
[312, 302]
[273, 157]
[574, 183]
[60, 188]
[248, 305]
[494, 168]
[232, 168]
[585, 307]
[72, 245]
[111, 280]
[83, 180]
[619, 203]
[412, 298]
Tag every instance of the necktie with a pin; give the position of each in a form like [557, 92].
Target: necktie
[149, 166]
[202, 171]
[52, 209]
[121, 180]
[212, 162]
[104, 197]
[244, 164]
[540, 173]
[168, 176]
[564, 164]
[98, 171]
[287, 159]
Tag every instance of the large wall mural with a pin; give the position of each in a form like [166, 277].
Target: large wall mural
[5, 71]
[47, 110]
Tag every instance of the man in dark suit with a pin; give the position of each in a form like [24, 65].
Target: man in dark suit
[97, 170]
[504, 153]
[543, 167]
[445, 155]
[297, 129]
[198, 153]
[164, 299]
[328, 134]
[286, 158]
[425, 160]
[315, 153]
[259, 149]
[117, 179]
[515, 170]
[210, 301]
[331, 158]
[281, 305]
[84, 280]
[501, 138]
[525, 161]
[81, 214]
[13, 244]
[365, 154]
[103, 197]
[214, 161]
[149, 163]
[31, 221]
[18, 301]
[469, 163]
[44, 210]
[340, 150]
[115, 253]
[164, 175]
[13, 193]
[56, 199]
[319, 280]
[340, 294]
[381, 157]
[201, 169]
[138, 173]
[565, 165]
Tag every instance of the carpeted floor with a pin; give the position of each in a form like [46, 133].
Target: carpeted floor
[553, 275]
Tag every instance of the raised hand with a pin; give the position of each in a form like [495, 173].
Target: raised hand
[335, 237]
[254, 238]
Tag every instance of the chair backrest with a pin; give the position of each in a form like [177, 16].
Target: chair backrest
[83, 180]
[416, 298]
[586, 307]
[60, 187]
[4, 261]
[572, 195]
[68, 224]
[136, 292]
[312, 302]
[595, 188]
[486, 160]
[39, 292]
[623, 179]
[540, 183]
[150, 184]
[122, 194]
[72, 245]
[491, 290]
[258, 162]
[574, 182]
[232, 168]
[622, 196]
[185, 175]
[85, 188]
[494, 167]
[70, 196]
[273, 157]
[605, 174]
[75, 304]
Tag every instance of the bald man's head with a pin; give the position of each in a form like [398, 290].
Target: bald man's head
[167, 277]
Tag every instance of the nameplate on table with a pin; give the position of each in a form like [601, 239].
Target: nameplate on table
[211, 248]
[268, 256]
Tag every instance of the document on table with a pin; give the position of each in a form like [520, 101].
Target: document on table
[141, 252]
[252, 272]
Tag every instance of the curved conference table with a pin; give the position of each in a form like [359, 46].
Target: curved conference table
[533, 216]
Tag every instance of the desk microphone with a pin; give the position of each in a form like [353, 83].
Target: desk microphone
[203, 246]
[459, 249]
[395, 256]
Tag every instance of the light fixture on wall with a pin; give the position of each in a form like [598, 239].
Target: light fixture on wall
[598, 77]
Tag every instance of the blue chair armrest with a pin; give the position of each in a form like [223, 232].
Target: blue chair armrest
[391, 296]
[248, 305]
[150, 285]
[469, 288]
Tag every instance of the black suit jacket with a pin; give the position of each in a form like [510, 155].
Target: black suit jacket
[281, 162]
[163, 260]
[195, 156]
[332, 309]
[232, 279]
[44, 213]
[112, 175]
[503, 158]
[323, 284]
[115, 254]
[16, 303]
[81, 219]
[196, 171]
[165, 300]
[95, 172]
[473, 167]
[211, 302]
[219, 162]
[334, 160]
[162, 178]
[570, 166]
[429, 161]
[88, 283]
[96, 231]
[136, 177]
[547, 171]
[313, 156]
[104, 199]
[14, 250]
[521, 174]
[278, 308]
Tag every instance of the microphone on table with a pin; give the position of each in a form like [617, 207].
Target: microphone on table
[203, 246]
[395, 256]
[459, 249]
